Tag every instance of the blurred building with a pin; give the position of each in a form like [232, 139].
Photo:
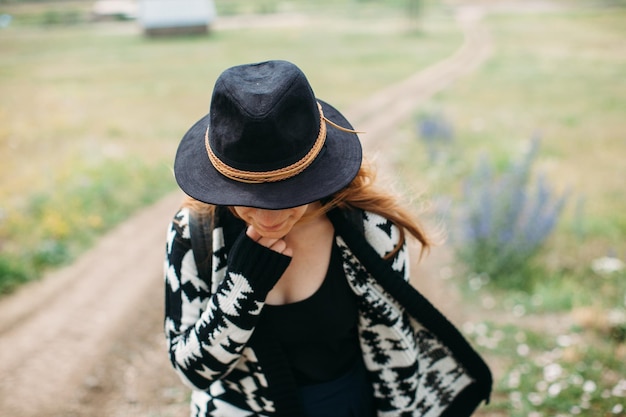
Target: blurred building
[114, 10]
[176, 17]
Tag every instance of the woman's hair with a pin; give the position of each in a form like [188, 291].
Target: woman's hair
[361, 193]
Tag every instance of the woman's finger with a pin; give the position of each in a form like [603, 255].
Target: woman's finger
[256, 236]
[277, 245]
[280, 246]
[253, 234]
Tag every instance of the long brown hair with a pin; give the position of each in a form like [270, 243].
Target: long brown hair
[364, 194]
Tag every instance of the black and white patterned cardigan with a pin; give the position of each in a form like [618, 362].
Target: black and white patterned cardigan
[418, 363]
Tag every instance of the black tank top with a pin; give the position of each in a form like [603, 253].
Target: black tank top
[319, 333]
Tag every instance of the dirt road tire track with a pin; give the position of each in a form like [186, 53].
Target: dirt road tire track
[57, 335]
[87, 340]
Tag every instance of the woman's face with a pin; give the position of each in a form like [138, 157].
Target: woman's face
[274, 224]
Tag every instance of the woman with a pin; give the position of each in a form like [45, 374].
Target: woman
[287, 274]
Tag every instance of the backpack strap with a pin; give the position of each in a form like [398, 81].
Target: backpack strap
[201, 234]
[201, 225]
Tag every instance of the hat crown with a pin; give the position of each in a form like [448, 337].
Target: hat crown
[263, 116]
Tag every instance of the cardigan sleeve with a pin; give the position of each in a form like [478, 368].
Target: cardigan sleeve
[207, 331]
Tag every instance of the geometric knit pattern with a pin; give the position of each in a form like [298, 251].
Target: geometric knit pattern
[209, 326]
[411, 372]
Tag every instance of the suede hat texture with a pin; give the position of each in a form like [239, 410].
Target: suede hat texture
[267, 142]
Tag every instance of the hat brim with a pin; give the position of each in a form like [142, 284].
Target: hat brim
[333, 169]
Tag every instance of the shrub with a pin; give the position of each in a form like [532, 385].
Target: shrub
[79, 204]
[12, 273]
[504, 220]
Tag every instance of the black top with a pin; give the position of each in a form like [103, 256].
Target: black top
[319, 333]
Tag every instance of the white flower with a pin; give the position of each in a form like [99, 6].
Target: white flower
[476, 282]
[606, 265]
[514, 380]
[589, 386]
[535, 398]
[552, 372]
[541, 386]
[617, 317]
[519, 310]
[617, 409]
[481, 329]
[576, 379]
[619, 390]
[523, 349]
[554, 390]
[488, 302]
[487, 342]
[565, 340]
[516, 399]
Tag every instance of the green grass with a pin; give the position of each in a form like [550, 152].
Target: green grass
[569, 373]
[57, 222]
[91, 113]
[558, 76]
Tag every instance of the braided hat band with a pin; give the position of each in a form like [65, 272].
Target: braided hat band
[255, 177]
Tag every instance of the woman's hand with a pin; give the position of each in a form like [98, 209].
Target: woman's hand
[277, 245]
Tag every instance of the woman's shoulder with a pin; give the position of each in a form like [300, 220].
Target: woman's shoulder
[377, 229]
[187, 218]
[380, 232]
[182, 214]
[180, 222]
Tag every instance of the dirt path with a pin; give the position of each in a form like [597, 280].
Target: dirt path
[87, 340]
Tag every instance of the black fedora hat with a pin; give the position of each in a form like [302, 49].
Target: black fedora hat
[267, 142]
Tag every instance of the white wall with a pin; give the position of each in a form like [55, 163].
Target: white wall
[175, 13]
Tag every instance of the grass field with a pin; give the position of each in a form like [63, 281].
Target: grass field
[90, 116]
[558, 76]
[91, 113]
